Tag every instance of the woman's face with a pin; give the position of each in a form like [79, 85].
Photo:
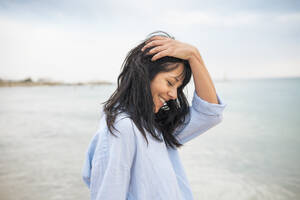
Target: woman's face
[164, 86]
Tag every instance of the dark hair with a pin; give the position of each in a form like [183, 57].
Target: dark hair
[133, 95]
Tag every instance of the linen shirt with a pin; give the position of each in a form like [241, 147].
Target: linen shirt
[124, 167]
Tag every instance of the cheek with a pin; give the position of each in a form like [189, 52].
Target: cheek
[157, 89]
[157, 86]
[154, 87]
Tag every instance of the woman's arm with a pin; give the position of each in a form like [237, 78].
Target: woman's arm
[207, 107]
[203, 116]
[203, 84]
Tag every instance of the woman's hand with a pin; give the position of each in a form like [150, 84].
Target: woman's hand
[163, 46]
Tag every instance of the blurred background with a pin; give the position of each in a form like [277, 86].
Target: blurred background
[59, 60]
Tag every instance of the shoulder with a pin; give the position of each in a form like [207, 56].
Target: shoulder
[123, 121]
[124, 127]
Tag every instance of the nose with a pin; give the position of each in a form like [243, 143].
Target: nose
[173, 93]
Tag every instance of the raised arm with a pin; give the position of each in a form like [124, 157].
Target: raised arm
[203, 84]
[206, 110]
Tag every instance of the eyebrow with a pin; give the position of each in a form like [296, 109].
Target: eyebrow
[177, 80]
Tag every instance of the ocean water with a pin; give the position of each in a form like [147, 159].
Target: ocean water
[253, 154]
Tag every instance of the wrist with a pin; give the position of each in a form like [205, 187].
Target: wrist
[195, 56]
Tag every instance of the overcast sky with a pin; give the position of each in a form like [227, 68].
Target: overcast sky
[82, 40]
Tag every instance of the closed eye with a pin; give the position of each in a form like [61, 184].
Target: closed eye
[169, 83]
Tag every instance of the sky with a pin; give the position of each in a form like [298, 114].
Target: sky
[87, 40]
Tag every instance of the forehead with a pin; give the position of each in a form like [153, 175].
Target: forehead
[177, 72]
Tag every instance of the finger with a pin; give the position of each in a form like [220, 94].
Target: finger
[153, 43]
[159, 55]
[157, 49]
[157, 37]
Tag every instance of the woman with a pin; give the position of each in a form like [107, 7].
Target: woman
[134, 154]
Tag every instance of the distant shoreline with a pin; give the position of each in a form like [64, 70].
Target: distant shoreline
[28, 82]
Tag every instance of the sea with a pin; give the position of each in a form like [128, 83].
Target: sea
[253, 154]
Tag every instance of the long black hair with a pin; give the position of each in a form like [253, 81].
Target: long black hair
[133, 95]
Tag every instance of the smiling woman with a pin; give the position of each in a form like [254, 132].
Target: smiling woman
[165, 85]
[134, 154]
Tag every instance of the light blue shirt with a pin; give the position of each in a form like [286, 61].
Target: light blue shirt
[124, 167]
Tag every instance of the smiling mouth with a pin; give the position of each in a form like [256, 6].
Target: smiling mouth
[162, 100]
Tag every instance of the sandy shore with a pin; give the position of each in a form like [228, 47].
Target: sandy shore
[29, 83]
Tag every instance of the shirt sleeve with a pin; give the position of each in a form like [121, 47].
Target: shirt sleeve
[203, 116]
[112, 163]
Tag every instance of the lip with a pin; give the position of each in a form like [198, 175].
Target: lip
[162, 100]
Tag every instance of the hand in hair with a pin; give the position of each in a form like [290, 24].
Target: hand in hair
[162, 46]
